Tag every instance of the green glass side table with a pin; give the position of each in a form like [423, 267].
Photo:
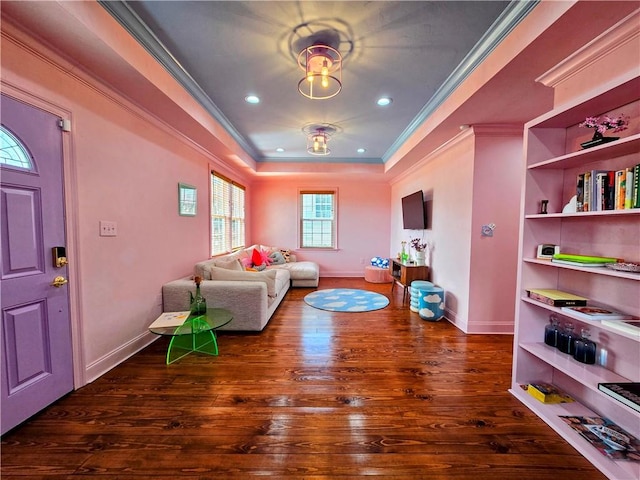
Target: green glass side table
[196, 334]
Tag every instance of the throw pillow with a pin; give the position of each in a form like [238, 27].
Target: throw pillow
[256, 257]
[233, 264]
[277, 258]
[286, 254]
[265, 257]
[268, 277]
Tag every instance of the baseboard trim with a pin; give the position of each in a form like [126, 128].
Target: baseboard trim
[112, 359]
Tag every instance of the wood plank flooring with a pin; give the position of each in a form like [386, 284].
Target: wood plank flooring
[316, 395]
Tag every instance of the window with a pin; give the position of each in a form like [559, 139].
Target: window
[227, 215]
[318, 219]
[12, 151]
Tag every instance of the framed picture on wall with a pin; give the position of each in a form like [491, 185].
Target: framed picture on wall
[187, 200]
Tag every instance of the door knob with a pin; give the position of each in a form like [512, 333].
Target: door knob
[59, 281]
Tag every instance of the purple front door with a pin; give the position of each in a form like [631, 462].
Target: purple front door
[35, 334]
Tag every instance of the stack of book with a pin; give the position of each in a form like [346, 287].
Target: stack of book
[583, 260]
[608, 189]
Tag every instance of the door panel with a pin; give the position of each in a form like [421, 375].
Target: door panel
[35, 334]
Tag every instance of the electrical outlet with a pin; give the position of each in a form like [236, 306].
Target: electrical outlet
[108, 228]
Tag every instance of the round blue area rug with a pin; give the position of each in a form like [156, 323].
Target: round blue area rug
[346, 300]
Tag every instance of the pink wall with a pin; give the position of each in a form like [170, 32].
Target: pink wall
[446, 178]
[472, 180]
[498, 169]
[122, 166]
[363, 220]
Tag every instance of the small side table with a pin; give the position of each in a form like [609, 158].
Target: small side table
[405, 273]
[196, 334]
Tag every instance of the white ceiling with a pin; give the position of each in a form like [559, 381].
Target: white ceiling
[225, 50]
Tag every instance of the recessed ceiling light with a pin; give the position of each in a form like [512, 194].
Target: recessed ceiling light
[279, 149]
[252, 99]
[361, 150]
[384, 101]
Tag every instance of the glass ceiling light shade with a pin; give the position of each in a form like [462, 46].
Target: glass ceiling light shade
[322, 66]
[317, 142]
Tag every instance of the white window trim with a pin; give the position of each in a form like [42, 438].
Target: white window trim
[332, 190]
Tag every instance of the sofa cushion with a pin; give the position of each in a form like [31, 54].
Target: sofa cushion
[268, 277]
[229, 264]
[300, 270]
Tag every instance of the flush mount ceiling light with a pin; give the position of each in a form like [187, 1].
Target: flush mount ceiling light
[320, 48]
[318, 137]
[322, 65]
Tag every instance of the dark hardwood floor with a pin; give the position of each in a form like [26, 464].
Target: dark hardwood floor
[316, 395]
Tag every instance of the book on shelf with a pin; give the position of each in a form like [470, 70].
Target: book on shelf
[625, 392]
[596, 313]
[620, 189]
[580, 193]
[577, 264]
[628, 326]
[556, 298]
[609, 438]
[598, 190]
[572, 257]
[636, 186]
[628, 199]
[586, 195]
[600, 181]
[547, 393]
[170, 319]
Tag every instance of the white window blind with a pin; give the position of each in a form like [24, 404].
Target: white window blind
[318, 219]
[227, 215]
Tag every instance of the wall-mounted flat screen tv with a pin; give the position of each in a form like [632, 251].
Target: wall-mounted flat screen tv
[413, 212]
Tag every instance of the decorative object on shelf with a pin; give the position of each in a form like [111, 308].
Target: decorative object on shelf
[572, 206]
[419, 247]
[546, 251]
[197, 303]
[552, 331]
[624, 267]
[404, 256]
[617, 124]
[566, 339]
[543, 206]
[585, 348]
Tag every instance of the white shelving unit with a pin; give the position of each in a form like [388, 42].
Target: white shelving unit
[553, 161]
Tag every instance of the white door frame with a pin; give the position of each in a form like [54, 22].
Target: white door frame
[71, 223]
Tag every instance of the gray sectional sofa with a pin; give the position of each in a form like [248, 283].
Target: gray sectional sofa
[252, 296]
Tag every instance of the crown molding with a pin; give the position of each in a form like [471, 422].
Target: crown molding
[614, 38]
[515, 12]
[138, 29]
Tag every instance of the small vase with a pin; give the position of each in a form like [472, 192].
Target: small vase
[198, 305]
[420, 258]
[598, 139]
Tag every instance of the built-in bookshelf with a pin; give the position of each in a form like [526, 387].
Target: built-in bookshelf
[553, 161]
